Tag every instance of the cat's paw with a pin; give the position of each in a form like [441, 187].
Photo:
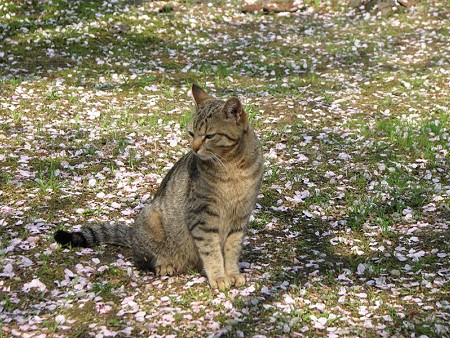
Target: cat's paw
[164, 270]
[221, 283]
[237, 279]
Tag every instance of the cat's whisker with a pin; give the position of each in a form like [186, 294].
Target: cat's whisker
[218, 159]
[222, 159]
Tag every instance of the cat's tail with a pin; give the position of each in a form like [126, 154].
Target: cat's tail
[89, 236]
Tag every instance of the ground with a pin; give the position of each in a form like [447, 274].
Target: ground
[350, 235]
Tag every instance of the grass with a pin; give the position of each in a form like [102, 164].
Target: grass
[352, 116]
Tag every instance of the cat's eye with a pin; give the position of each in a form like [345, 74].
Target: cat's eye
[210, 136]
[191, 134]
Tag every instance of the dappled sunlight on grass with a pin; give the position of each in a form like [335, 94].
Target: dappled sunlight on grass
[350, 235]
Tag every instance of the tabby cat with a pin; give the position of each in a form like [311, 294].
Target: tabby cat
[199, 213]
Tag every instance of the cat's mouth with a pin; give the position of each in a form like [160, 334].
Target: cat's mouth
[211, 158]
[204, 156]
[207, 156]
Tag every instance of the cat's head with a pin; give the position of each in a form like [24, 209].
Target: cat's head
[217, 126]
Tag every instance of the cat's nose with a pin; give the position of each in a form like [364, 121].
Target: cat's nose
[196, 145]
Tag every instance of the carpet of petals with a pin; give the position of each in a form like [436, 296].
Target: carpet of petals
[350, 236]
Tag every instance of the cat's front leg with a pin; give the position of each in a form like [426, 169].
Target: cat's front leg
[232, 252]
[207, 241]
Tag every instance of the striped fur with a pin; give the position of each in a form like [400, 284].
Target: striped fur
[200, 212]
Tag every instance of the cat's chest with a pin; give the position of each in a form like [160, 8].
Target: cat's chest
[236, 187]
[237, 195]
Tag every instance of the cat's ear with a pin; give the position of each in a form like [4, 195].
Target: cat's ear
[199, 94]
[233, 109]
